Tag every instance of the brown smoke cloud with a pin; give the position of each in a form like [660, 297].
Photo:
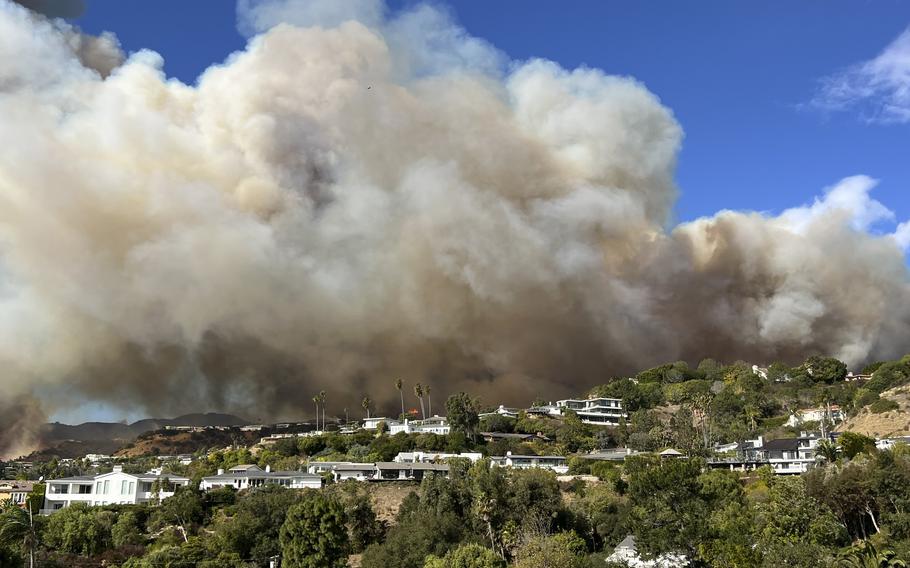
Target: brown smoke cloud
[344, 203]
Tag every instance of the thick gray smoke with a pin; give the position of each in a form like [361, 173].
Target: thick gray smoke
[346, 202]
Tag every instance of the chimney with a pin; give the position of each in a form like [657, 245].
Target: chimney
[220, 471]
[268, 468]
[118, 468]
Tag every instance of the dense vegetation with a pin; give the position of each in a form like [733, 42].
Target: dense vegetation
[851, 510]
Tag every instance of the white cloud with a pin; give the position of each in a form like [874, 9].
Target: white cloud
[901, 235]
[879, 88]
[849, 198]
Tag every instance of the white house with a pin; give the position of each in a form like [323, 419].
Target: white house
[432, 425]
[601, 411]
[501, 411]
[97, 458]
[889, 443]
[428, 457]
[625, 554]
[245, 477]
[835, 415]
[372, 423]
[761, 371]
[554, 463]
[115, 487]
[386, 471]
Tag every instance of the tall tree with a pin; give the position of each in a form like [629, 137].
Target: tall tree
[314, 534]
[426, 391]
[316, 404]
[398, 384]
[461, 413]
[322, 402]
[418, 392]
[17, 527]
[366, 405]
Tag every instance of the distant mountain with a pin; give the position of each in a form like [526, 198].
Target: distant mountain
[103, 437]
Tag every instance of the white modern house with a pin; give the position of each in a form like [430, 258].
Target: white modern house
[432, 425]
[378, 471]
[599, 411]
[248, 476]
[889, 443]
[111, 488]
[555, 463]
[834, 415]
[429, 457]
[372, 423]
[501, 411]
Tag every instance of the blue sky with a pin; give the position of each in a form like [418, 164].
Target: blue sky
[737, 75]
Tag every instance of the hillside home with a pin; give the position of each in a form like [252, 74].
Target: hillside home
[599, 411]
[433, 425]
[373, 422]
[610, 454]
[493, 436]
[429, 457]
[115, 487]
[790, 456]
[252, 476]
[386, 471]
[501, 411]
[626, 554]
[15, 491]
[851, 376]
[889, 443]
[834, 415]
[553, 463]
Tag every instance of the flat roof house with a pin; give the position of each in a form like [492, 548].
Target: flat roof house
[247, 477]
[432, 425]
[554, 463]
[115, 487]
[598, 411]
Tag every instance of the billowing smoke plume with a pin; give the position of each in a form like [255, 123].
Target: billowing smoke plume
[346, 202]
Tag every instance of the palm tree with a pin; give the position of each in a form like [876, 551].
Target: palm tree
[366, 405]
[752, 412]
[426, 391]
[866, 556]
[418, 392]
[398, 385]
[316, 403]
[18, 525]
[827, 450]
[322, 401]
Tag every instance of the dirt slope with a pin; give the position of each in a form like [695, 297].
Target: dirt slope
[885, 424]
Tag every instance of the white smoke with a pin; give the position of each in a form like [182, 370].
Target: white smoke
[351, 201]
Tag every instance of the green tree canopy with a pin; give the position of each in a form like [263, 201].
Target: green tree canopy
[314, 534]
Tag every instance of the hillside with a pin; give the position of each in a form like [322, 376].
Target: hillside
[170, 442]
[73, 441]
[883, 424]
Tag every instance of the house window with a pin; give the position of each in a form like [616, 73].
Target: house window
[132, 487]
[85, 489]
[123, 486]
[107, 486]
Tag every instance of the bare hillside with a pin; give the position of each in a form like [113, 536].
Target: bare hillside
[884, 424]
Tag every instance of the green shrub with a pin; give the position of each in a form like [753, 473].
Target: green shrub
[883, 405]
